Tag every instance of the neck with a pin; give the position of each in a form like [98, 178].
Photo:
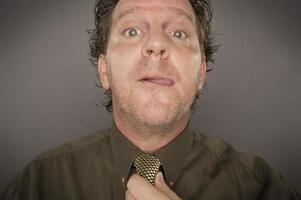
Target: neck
[150, 138]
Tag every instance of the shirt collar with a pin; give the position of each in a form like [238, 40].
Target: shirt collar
[124, 153]
[171, 155]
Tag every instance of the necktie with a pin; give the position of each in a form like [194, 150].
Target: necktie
[147, 166]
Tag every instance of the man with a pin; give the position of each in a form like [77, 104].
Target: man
[151, 57]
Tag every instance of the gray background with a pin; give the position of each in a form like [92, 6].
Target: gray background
[48, 93]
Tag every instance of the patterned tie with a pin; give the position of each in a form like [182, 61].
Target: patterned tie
[147, 166]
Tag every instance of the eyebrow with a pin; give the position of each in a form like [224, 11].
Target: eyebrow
[135, 9]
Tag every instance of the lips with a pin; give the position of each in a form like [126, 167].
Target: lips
[159, 81]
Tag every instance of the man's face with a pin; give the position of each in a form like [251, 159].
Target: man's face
[153, 65]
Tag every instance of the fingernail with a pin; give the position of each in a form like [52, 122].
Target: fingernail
[160, 177]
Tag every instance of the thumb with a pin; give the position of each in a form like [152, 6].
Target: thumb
[163, 187]
[160, 183]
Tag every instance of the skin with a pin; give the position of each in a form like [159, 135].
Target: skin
[139, 188]
[154, 66]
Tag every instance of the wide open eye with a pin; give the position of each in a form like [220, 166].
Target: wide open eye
[179, 34]
[132, 32]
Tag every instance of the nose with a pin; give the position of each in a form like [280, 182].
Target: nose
[156, 45]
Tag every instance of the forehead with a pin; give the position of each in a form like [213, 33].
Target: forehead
[179, 6]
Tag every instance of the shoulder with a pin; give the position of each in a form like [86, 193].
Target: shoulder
[221, 151]
[99, 139]
[58, 164]
[246, 168]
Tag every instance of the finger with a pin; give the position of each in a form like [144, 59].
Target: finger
[142, 189]
[163, 187]
[129, 196]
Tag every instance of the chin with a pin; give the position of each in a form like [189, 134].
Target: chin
[158, 116]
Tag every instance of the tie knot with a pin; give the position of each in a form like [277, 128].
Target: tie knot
[147, 166]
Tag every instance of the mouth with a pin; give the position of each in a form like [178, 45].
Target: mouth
[159, 81]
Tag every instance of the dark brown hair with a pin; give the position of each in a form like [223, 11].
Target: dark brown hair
[99, 36]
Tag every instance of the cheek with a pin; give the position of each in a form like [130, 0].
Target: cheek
[121, 54]
[189, 67]
[121, 63]
[189, 71]
[190, 80]
[120, 49]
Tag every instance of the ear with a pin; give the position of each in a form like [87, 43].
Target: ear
[203, 69]
[103, 72]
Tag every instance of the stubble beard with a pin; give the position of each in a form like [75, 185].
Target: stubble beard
[146, 119]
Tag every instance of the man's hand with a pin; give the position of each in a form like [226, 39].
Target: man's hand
[141, 189]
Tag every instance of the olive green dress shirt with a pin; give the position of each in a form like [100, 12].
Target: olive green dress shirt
[195, 166]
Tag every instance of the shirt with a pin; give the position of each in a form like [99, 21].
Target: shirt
[195, 166]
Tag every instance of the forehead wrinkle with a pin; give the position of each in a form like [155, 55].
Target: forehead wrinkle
[134, 10]
[185, 14]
